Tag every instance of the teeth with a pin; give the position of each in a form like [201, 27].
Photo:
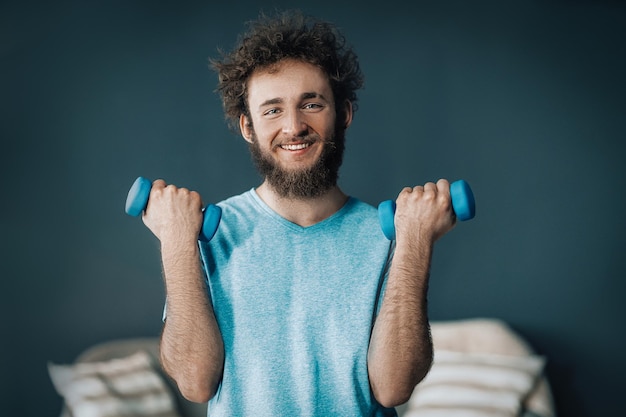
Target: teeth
[295, 147]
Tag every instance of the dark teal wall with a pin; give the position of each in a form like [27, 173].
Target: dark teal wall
[525, 101]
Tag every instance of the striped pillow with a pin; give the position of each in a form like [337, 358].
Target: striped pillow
[127, 386]
[475, 385]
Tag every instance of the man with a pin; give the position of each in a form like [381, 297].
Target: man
[298, 305]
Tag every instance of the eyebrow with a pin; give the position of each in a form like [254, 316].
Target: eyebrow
[304, 96]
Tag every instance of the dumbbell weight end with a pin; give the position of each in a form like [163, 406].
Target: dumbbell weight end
[137, 198]
[386, 212]
[211, 220]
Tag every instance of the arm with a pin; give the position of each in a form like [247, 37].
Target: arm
[192, 351]
[400, 353]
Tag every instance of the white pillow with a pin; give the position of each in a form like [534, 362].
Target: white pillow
[463, 384]
[127, 386]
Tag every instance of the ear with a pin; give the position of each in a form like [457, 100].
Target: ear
[245, 127]
[347, 114]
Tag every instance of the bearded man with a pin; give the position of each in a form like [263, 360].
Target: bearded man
[298, 306]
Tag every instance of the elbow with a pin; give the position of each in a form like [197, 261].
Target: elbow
[397, 389]
[393, 396]
[196, 392]
[195, 383]
[197, 387]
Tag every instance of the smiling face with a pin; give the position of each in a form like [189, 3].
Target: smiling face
[293, 131]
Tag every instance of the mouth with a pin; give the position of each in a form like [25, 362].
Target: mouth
[294, 146]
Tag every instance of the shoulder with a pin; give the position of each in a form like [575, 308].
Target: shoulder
[360, 211]
[240, 200]
[361, 206]
[362, 218]
[243, 204]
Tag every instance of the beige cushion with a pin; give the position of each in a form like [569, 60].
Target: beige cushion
[128, 386]
[481, 360]
[475, 384]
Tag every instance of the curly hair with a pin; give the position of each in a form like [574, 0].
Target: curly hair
[290, 34]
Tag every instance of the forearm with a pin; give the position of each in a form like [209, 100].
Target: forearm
[192, 351]
[400, 352]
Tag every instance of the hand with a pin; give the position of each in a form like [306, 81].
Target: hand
[173, 214]
[424, 213]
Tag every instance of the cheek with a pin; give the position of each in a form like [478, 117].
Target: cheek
[330, 124]
[331, 131]
[268, 127]
[261, 134]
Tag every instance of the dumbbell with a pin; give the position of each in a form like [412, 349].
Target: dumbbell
[463, 205]
[137, 200]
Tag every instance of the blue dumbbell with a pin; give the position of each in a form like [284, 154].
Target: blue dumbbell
[137, 201]
[463, 205]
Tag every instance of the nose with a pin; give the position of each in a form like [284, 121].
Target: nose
[294, 124]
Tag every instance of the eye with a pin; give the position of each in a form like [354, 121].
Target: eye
[313, 106]
[271, 112]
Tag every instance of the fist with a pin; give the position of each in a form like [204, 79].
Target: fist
[173, 214]
[424, 213]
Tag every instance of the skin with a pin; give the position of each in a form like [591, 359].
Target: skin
[289, 102]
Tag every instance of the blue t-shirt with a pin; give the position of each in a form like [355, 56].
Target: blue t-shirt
[295, 306]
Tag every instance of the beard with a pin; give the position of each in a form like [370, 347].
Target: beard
[306, 182]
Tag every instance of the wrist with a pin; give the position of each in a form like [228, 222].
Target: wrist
[415, 240]
[413, 252]
[179, 247]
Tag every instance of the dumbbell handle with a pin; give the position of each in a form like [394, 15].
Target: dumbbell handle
[137, 201]
[463, 205]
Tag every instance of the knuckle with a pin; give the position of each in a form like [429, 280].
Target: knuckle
[404, 193]
[195, 196]
[446, 204]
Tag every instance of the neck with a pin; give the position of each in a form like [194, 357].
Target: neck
[303, 211]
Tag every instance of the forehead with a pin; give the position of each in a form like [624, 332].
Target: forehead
[287, 79]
